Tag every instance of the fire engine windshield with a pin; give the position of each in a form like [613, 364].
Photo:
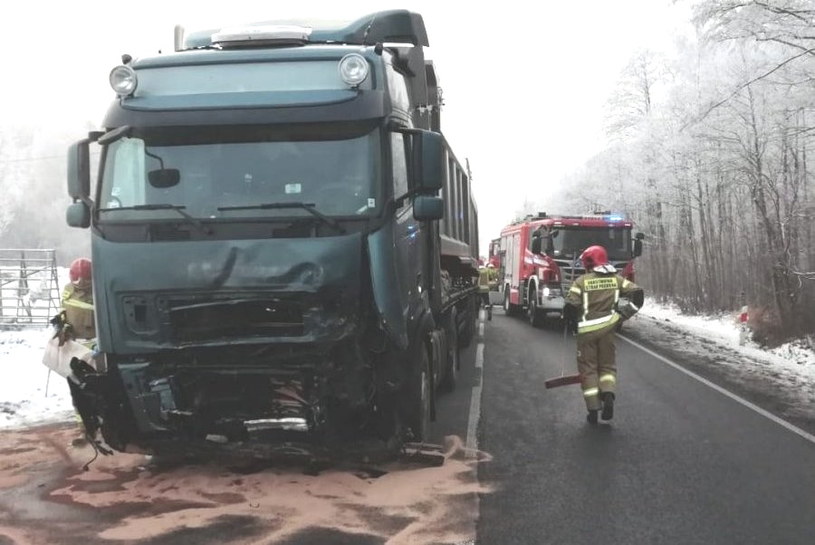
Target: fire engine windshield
[220, 172]
[571, 241]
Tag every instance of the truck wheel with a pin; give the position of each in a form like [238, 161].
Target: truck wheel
[533, 314]
[470, 313]
[509, 308]
[418, 403]
[452, 363]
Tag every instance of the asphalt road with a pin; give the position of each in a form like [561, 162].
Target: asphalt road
[680, 462]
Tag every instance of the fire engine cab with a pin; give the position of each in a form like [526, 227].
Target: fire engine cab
[539, 258]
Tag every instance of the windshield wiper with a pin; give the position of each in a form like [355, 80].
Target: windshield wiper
[195, 222]
[308, 206]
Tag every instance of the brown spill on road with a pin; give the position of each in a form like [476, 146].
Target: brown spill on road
[46, 497]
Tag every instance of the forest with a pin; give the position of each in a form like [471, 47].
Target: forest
[710, 155]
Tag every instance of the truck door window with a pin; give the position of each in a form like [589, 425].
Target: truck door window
[126, 165]
[399, 161]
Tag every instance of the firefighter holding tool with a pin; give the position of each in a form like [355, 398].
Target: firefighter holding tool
[595, 304]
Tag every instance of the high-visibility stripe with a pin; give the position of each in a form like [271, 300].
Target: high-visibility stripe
[587, 326]
[608, 378]
[585, 306]
[594, 321]
[588, 392]
[77, 304]
[575, 290]
[616, 295]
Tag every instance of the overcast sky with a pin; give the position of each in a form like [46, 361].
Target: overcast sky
[525, 83]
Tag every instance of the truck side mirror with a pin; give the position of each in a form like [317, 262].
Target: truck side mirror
[550, 244]
[536, 245]
[428, 208]
[431, 152]
[79, 170]
[638, 244]
[164, 177]
[78, 215]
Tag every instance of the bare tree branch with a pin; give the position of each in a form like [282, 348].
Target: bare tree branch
[742, 87]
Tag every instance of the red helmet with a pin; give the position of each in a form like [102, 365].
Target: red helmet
[594, 256]
[80, 271]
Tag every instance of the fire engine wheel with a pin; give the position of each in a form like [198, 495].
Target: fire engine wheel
[509, 308]
[532, 312]
[418, 403]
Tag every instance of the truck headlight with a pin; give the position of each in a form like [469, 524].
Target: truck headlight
[353, 69]
[123, 80]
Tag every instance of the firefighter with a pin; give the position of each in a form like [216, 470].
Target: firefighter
[77, 321]
[77, 303]
[484, 289]
[594, 307]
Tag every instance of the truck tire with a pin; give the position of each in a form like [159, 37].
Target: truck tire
[418, 398]
[509, 308]
[532, 313]
[452, 363]
[470, 317]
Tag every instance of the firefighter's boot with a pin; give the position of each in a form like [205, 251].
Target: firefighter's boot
[591, 418]
[608, 405]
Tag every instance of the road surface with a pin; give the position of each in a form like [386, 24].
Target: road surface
[682, 462]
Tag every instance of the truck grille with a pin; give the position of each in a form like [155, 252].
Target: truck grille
[570, 270]
[196, 320]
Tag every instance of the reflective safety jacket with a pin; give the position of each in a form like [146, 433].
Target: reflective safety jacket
[78, 306]
[595, 295]
[483, 280]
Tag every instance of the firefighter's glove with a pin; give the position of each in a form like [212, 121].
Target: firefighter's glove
[59, 320]
[65, 333]
[570, 318]
[638, 298]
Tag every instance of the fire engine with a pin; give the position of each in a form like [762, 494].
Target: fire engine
[539, 258]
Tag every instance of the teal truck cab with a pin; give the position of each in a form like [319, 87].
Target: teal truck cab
[284, 245]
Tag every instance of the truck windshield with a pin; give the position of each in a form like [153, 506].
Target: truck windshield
[223, 172]
[571, 241]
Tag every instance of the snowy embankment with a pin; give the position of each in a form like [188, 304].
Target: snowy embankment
[795, 357]
[781, 379]
[28, 397]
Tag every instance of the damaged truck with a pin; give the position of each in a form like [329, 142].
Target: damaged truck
[284, 245]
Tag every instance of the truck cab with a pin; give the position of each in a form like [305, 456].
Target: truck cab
[272, 259]
[541, 257]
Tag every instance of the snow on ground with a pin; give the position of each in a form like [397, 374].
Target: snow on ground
[780, 379]
[27, 395]
[795, 357]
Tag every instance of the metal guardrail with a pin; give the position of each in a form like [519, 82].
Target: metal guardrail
[29, 287]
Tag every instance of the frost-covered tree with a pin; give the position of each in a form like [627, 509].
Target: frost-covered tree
[710, 156]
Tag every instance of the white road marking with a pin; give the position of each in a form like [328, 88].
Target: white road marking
[472, 423]
[471, 443]
[783, 423]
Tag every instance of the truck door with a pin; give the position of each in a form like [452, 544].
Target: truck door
[516, 266]
[509, 261]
